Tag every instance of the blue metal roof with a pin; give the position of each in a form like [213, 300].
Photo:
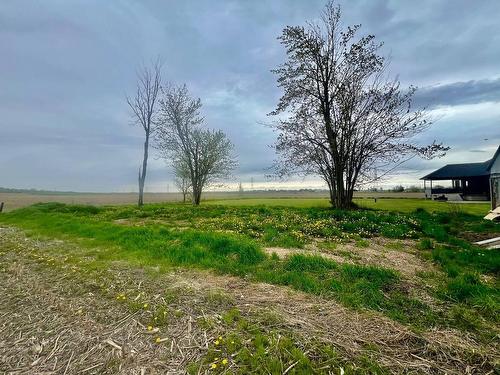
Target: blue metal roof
[465, 170]
[458, 171]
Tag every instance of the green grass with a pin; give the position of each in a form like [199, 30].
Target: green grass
[228, 239]
[405, 205]
[282, 202]
[354, 285]
[267, 350]
[409, 205]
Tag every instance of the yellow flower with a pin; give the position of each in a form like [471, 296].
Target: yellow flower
[220, 338]
[224, 361]
[158, 340]
[217, 342]
[145, 305]
[214, 365]
[150, 328]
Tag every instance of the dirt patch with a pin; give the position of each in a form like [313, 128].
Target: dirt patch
[377, 253]
[141, 222]
[283, 252]
[403, 260]
[477, 236]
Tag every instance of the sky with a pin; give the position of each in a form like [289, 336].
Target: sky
[67, 66]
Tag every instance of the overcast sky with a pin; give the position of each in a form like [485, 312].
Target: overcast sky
[66, 66]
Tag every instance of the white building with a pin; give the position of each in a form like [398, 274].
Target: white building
[494, 169]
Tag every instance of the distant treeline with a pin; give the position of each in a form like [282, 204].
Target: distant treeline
[398, 189]
[35, 191]
[395, 189]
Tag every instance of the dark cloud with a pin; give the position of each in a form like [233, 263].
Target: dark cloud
[66, 67]
[459, 93]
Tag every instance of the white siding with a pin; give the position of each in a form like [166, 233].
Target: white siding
[495, 183]
[495, 168]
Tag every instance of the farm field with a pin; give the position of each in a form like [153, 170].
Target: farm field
[17, 200]
[254, 285]
[382, 203]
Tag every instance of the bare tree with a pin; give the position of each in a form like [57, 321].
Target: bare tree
[207, 154]
[143, 105]
[182, 178]
[343, 119]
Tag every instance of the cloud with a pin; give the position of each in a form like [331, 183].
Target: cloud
[458, 93]
[66, 67]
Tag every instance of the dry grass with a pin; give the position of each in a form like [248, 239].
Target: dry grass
[399, 349]
[377, 252]
[53, 322]
[58, 315]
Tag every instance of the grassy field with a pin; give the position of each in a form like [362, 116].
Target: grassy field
[381, 203]
[408, 263]
[17, 200]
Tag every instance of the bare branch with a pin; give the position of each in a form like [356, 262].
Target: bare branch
[204, 155]
[344, 117]
[143, 105]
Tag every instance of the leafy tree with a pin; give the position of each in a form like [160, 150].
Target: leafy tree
[206, 156]
[182, 178]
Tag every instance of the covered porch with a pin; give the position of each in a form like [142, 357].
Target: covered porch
[464, 181]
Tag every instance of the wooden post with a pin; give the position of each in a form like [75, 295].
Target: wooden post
[1, 206]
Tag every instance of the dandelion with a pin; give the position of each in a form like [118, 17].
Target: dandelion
[220, 338]
[217, 342]
[150, 328]
[213, 366]
[224, 361]
[145, 305]
[158, 340]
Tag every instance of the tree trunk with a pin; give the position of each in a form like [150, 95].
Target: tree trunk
[331, 189]
[340, 195]
[141, 188]
[142, 172]
[196, 197]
